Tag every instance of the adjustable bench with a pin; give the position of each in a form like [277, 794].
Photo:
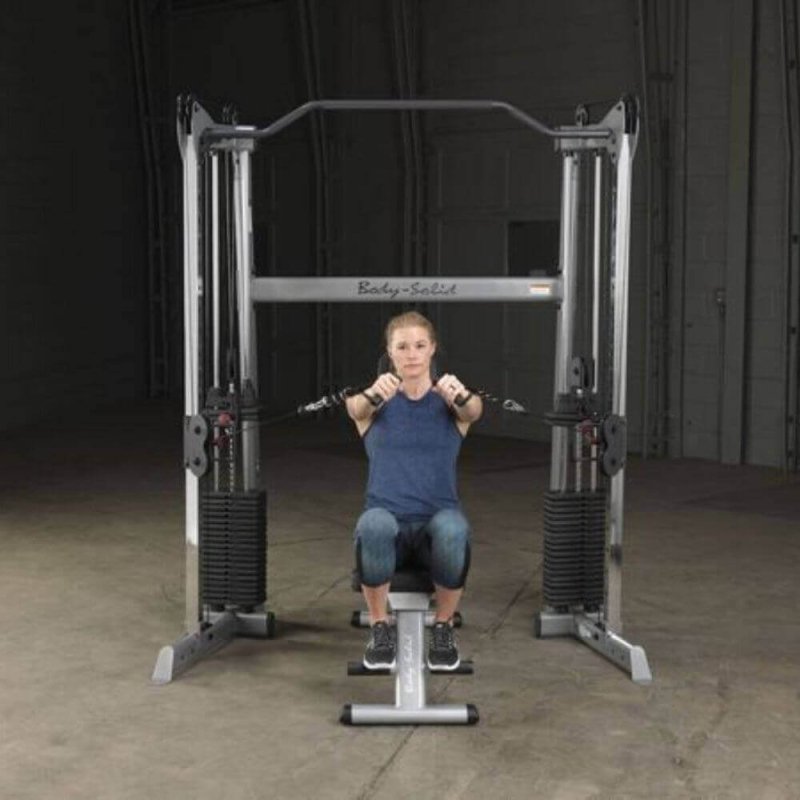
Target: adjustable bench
[409, 599]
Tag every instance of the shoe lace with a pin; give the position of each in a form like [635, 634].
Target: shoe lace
[442, 636]
[382, 635]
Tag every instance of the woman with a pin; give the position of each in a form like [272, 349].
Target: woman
[412, 432]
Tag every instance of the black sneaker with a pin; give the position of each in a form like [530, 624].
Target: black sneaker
[381, 649]
[443, 651]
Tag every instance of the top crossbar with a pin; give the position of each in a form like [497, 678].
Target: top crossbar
[220, 132]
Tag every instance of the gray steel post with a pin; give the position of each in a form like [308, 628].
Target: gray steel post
[215, 293]
[596, 262]
[215, 262]
[247, 346]
[621, 255]
[566, 312]
[191, 296]
[596, 289]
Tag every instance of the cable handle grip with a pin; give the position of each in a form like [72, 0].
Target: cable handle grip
[375, 401]
[460, 400]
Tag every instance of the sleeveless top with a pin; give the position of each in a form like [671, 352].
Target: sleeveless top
[413, 447]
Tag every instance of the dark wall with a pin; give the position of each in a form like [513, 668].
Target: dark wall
[71, 250]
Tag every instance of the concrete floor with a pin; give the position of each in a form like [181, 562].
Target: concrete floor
[91, 583]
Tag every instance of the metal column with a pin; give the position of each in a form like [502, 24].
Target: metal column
[621, 262]
[597, 243]
[248, 368]
[191, 334]
[566, 312]
[215, 287]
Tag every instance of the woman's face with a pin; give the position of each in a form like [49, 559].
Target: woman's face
[411, 350]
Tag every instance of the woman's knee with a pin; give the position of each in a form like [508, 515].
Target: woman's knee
[450, 550]
[375, 543]
[449, 528]
[376, 526]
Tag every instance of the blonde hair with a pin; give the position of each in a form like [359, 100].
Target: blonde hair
[411, 319]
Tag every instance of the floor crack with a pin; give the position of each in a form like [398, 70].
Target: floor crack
[369, 790]
[338, 582]
[491, 631]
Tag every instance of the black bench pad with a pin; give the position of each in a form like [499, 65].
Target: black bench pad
[404, 580]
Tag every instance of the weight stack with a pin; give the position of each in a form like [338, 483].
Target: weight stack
[574, 548]
[233, 548]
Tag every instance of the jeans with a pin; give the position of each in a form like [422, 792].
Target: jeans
[441, 545]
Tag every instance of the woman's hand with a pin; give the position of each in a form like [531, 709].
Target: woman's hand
[385, 388]
[449, 387]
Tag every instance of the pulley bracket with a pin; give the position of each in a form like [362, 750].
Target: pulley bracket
[614, 435]
[195, 441]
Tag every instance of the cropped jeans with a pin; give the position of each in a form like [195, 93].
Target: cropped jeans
[441, 545]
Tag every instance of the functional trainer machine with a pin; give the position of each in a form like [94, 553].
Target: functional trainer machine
[225, 504]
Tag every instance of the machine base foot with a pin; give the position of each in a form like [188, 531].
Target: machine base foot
[589, 629]
[222, 628]
[256, 624]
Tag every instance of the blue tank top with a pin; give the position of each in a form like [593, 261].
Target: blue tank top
[413, 447]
